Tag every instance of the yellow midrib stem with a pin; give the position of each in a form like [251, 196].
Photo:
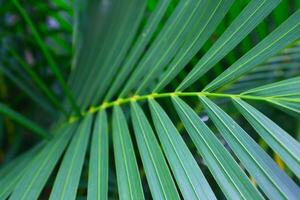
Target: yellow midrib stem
[122, 101]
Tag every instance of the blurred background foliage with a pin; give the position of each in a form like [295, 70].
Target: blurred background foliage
[19, 51]
[53, 20]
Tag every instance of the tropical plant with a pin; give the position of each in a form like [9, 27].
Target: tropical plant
[162, 99]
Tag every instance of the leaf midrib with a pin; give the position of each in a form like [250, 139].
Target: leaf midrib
[137, 98]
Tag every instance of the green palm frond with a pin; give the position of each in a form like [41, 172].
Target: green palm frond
[98, 164]
[165, 99]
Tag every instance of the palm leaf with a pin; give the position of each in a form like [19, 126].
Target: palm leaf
[248, 19]
[285, 145]
[274, 182]
[186, 171]
[285, 88]
[98, 166]
[285, 34]
[67, 180]
[39, 170]
[138, 47]
[290, 107]
[129, 183]
[158, 175]
[226, 171]
[14, 171]
[145, 62]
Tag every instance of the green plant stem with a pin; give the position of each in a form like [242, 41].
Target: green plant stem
[122, 101]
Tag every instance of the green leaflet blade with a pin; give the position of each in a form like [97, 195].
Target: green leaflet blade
[14, 171]
[279, 140]
[138, 47]
[292, 108]
[243, 24]
[273, 181]
[191, 181]
[283, 88]
[157, 172]
[67, 179]
[285, 34]
[128, 177]
[87, 37]
[124, 44]
[165, 44]
[39, 170]
[98, 166]
[228, 174]
[100, 78]
[207, 17]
